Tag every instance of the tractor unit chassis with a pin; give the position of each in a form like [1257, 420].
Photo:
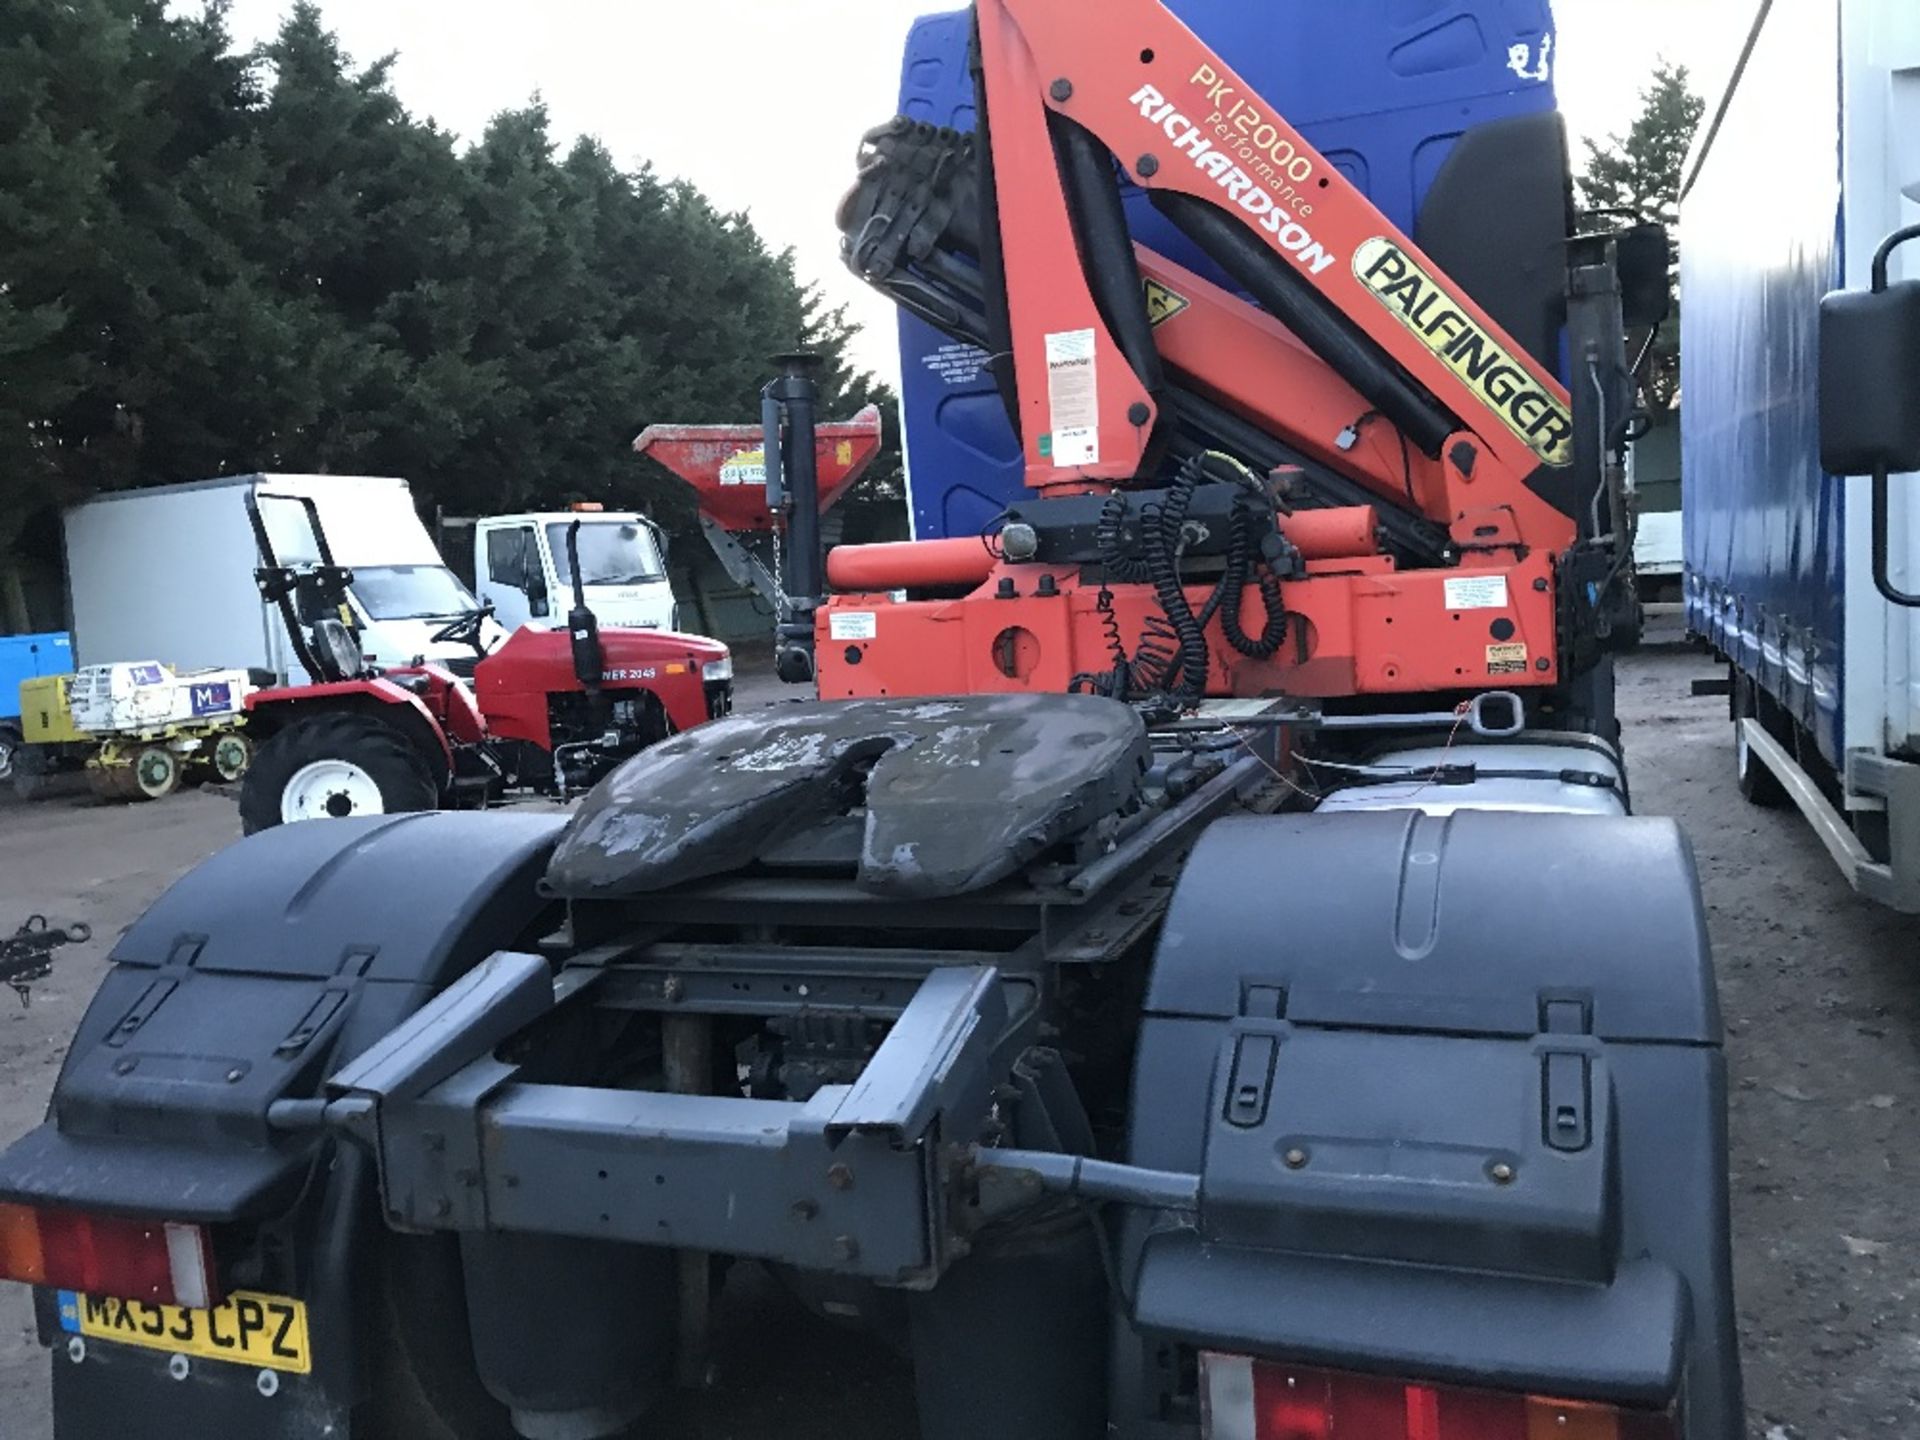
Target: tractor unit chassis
[1069, 1096]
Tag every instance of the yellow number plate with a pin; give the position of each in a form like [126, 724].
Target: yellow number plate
[269, 1331]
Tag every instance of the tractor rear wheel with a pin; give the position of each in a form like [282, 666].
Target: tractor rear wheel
[331, 767]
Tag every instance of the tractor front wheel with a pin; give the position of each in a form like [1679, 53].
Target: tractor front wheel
[331, 767]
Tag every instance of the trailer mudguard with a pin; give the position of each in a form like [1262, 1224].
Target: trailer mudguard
[248, 982]
[1455, 1092]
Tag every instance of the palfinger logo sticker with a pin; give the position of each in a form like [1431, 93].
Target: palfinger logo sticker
[1163, 304]
[1507, 386]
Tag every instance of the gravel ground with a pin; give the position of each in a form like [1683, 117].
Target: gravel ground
[1819, 988]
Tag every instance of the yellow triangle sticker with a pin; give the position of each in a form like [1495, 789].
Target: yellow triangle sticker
[1163, 304]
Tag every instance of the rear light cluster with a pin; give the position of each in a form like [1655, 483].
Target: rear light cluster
[153, 1260]
[1262, 1400]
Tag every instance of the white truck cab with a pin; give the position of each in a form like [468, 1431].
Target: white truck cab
[520, 564]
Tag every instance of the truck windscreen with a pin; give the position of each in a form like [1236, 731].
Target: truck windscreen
[411, 592]
[611, 553]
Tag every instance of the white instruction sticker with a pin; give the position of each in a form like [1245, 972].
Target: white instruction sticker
[1477, 592]
[1073, 398]
[1076, 447]
[852, 624]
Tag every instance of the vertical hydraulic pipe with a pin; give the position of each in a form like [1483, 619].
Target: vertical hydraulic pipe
[794, 399]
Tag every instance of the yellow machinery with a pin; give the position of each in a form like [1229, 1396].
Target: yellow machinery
[138, 762]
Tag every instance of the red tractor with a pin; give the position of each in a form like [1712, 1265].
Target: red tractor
[547, 712]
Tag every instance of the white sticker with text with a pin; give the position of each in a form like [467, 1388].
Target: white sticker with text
[1073, 398]
[1477, 592]
[852, 625]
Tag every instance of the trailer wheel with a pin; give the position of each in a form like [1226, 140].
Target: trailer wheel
[423, 1381]
[9, 747]
[331, 766]
[1758, 784]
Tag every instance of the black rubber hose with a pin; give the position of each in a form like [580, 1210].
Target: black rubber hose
[1163, 560]
[1288, 296]
[1107, 539]
[1242, 563]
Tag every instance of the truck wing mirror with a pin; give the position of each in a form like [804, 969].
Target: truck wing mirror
[1870, 390]
[1643, 255]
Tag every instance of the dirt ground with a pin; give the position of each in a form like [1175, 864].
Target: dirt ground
[1821, 992]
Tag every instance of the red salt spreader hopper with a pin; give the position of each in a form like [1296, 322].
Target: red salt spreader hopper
[727, 465]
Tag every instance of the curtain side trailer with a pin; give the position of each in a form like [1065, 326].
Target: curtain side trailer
[1822, 111]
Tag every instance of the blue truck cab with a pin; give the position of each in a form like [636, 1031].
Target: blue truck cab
[1441, 111]
[25, 657]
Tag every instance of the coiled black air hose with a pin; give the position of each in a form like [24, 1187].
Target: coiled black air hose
[1109, 540]
[1164, 526]
[1242, 561]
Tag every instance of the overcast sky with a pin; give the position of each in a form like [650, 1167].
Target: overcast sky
[761, 103]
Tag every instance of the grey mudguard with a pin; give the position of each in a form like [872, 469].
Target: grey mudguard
[959, 792]
[246, 983]
[1454, 1089]
[252, 978]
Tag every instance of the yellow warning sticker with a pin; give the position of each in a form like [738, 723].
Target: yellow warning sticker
[1163, 304]
[1506, 659]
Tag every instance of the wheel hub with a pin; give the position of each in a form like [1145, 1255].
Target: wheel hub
[330, 790]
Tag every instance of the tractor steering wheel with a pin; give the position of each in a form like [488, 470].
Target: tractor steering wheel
[466, 630]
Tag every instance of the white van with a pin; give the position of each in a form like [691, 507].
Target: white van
[167, 573]
[520, 565]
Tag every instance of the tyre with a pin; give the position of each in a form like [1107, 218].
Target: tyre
[232, 753]
[29, 772]
[1758, 784]
[155, 773]
[421, 1370]
[10, 747]
[331, 767]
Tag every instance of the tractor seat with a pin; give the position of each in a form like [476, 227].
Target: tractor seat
[957, 792]
[337, 650]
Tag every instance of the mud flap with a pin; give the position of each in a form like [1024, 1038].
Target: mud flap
[248, 982]
[1455, 1092]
